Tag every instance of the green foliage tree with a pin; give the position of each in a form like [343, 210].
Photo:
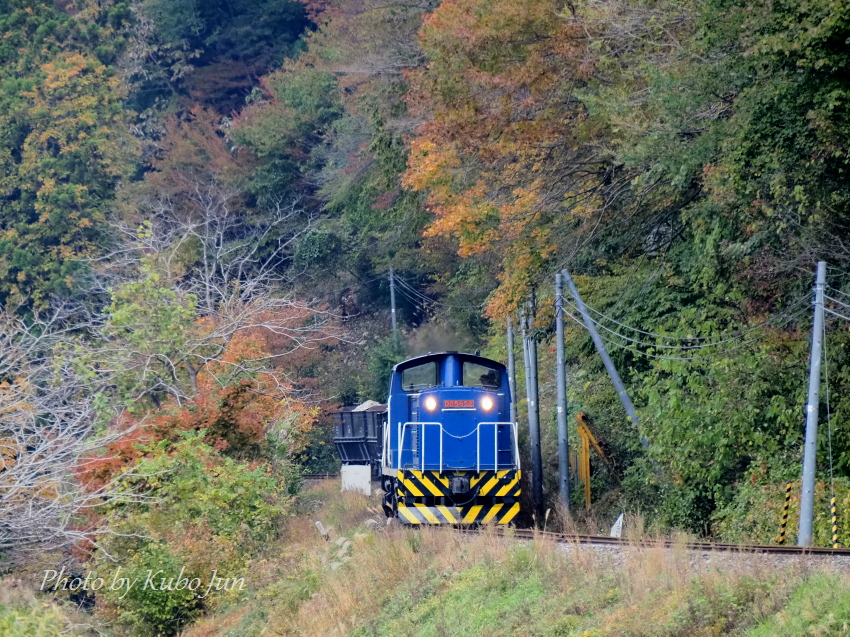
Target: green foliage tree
[206, 513]
[210, 52]
[64, 148]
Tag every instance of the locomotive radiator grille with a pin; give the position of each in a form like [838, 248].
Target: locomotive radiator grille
[500, 513]
[502, 483]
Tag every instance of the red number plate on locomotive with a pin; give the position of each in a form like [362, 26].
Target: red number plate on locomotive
[458, 404]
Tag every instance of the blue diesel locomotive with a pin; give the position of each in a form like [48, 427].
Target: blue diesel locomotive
[449, 453]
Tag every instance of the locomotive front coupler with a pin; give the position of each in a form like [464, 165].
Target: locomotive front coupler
[459, 485]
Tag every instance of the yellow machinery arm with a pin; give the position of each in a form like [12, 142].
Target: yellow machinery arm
[586, 440]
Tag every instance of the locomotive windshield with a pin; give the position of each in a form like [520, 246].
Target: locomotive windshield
[475, 375]
[419, 377]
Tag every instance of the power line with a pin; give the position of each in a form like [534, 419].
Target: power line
[359, 280]
[703, 356]
[840, 272]
[692, 338]
[415, 301]
[428, 299]
[634, 349]
[737, 337]
[840, 293]
[419, 299]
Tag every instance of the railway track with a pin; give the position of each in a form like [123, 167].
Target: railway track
[596, 540]
[601, 540]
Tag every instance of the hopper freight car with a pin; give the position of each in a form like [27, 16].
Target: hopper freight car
[358, 434]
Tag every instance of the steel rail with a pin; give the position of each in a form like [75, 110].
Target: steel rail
[693, 545]
[529, 534]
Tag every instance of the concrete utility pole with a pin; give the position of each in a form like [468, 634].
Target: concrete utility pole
[530, 351]
[603, 354]
[511, 369]
[561, 381]
[810, 447]
[392, 305]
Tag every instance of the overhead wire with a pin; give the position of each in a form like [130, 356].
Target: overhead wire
[694, 338]
[414, 300]
[838, 270]
[360, 281]
[834, 300]
[404, 285]
[843, 306]
[427, 299]
[685, 344]
[741, 335]
[836, 290]
[788, 318]
[633, 349]
[424, 305]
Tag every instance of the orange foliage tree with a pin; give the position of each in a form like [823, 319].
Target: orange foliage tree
[249, 416]
[507, 154]
[202, 335]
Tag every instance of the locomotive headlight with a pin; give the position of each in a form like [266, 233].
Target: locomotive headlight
[487, 403]
[430, 403]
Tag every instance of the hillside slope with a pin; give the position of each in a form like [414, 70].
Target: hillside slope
[435, 582]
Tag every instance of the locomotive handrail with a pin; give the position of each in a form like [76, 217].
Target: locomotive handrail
[402, 428]
[385, 444]
[496, 426]
[401, 442]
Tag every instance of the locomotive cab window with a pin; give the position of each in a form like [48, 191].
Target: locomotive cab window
[475, 375]
[419, 377]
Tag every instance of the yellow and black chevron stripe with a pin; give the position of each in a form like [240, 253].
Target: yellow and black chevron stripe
[499, 513]
[504, 483]
[834, 511]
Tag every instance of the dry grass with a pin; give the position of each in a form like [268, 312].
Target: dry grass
[307, 586]
[384, 562]
[14, 591]
[375, 579]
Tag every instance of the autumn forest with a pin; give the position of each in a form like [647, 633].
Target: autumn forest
[201, 201]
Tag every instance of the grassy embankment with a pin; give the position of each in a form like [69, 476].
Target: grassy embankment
[434, 582]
